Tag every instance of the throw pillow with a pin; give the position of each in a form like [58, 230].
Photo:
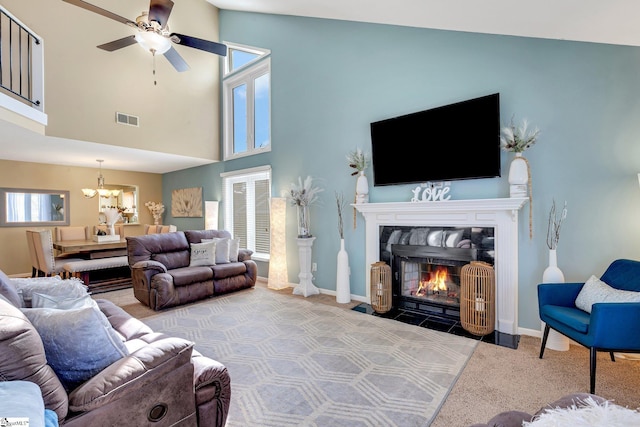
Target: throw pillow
[222, 249]
[39, 300]
[22, 399]
[595, 290]
[203, 254]
[23, 357]
[78, 343]
[9, 290]
[234, 247]
[70, 288]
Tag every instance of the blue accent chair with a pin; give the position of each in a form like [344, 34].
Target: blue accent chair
[610, 326]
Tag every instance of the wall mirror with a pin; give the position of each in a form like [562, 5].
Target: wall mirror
[122, 197]
[22, 207]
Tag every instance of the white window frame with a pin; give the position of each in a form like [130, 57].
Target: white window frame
[249, 176]
[245, 75]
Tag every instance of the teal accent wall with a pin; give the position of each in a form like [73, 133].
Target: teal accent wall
[331, 79]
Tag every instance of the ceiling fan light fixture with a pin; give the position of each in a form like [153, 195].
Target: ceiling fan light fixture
[153, 42]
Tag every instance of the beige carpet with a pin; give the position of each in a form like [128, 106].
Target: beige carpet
[498, 379]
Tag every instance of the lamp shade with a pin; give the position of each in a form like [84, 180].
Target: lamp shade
[278, 273]
[211, 215]
[153, 42]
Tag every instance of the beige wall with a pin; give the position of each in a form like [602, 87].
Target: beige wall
[14, 255]
[85, 86]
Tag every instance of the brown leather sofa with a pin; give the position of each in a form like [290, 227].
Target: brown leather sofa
[162, 276]
[162, 381]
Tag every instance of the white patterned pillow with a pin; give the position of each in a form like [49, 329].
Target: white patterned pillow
[203, 254]
[595, 290]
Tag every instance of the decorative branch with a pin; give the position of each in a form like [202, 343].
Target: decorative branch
[555, 223]
[340, 203]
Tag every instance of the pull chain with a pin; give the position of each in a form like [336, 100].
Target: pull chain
[153, 53]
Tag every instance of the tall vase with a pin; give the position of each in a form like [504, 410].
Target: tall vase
[362, 188]
[112, 229]
[518, 176]
[304, 222]
[552, 274]
[343, 287]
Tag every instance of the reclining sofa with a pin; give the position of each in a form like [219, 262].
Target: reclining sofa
[163, 275]
[158, 380]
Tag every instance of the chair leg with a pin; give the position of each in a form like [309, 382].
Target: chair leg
[613, 358]
[545, 335]
[592, 370]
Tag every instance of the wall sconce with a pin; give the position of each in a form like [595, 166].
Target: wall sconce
[278, 272]
[211, 215]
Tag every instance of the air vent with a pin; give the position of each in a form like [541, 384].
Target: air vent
[126, 119]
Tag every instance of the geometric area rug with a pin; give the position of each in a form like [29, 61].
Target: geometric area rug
[293, 362]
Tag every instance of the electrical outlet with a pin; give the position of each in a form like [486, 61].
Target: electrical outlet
[314, 267]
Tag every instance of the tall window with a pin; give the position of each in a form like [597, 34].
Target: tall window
[246, 92]
[246, 208]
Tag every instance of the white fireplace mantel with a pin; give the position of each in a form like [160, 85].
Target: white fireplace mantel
[501, 214]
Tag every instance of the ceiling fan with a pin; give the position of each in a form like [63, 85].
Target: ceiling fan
[153, 33]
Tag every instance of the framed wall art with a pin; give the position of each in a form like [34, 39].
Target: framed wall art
[186, 202]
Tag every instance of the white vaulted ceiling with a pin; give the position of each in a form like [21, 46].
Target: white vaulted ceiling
[612, 22]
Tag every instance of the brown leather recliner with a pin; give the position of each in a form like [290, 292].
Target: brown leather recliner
[163, 381]
[162, 276]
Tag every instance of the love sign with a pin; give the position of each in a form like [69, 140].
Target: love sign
[430, 194]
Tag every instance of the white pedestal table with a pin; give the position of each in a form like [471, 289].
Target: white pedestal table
[306, 286]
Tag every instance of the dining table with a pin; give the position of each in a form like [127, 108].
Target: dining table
[91, 249]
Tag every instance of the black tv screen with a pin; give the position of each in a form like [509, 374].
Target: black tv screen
[452, 142]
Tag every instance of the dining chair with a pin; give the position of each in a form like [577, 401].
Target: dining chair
[77, 232]
[47, 263]
[32, 253]
[154, 229]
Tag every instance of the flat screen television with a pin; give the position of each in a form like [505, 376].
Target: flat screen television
[451, 142]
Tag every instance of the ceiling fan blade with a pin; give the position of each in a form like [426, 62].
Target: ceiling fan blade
[196, 43]
[100, 11]
[159, 11]
[118, 44]
[176, 60]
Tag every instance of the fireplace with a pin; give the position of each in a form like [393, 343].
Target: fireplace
[500, 215]
[426, 265]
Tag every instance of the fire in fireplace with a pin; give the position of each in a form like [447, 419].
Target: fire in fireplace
[426, 265]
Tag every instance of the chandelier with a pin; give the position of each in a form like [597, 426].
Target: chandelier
[90, 192]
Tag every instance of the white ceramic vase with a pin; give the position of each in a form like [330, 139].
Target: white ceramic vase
[343, 287]
[362, 188]
[518, 176]
[552, 274]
